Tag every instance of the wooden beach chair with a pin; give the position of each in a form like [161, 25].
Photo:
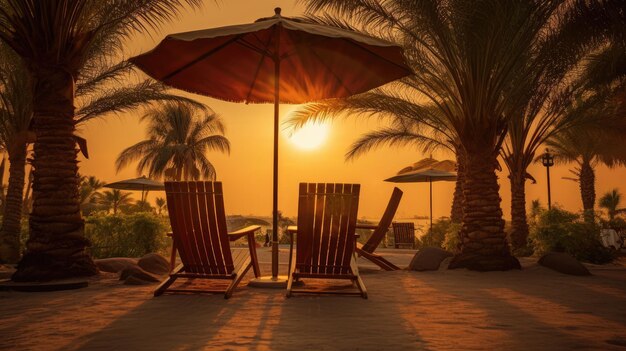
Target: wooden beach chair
[196, 211]
[404, 234]
[326, 236]
[367, 250]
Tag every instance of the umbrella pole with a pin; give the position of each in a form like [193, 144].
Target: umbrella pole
[275, 184]
[430, 180]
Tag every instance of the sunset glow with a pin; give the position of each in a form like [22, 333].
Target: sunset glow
[310, 136]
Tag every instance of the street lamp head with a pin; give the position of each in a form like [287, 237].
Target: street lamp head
[547, 159]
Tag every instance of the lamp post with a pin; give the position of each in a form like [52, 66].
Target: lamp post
[548, 161]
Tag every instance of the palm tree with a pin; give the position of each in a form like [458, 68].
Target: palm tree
[89, 189]
[179, 136]
[610, 201]
[15, 117]
[477, 62]
[588, 147]
[95, 98]
[54, 38]
[161, 205]
[114, 199]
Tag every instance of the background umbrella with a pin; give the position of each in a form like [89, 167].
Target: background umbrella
[142, 184]
[277, 60]
[426, 170]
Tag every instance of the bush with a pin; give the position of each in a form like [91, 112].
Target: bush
[444, 234]
[451, 241]
[121, 235]
[562, 231]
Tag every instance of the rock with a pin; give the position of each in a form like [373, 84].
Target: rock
[428, 259]
[138, 273]
[114, 264]
[155, 264]
[563, 263]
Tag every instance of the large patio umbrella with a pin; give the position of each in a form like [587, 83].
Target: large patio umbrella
[426, 170]
[142, 184]
[276, 60]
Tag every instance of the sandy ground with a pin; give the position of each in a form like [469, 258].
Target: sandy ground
[532, 309]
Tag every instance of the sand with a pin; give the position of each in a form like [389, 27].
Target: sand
[532, 309]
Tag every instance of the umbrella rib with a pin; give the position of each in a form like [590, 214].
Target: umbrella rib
[265, 53]
[333, 73]
[201, 57]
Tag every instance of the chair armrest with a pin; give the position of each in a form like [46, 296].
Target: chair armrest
[170, 234]
[292, 229]
[243, 232]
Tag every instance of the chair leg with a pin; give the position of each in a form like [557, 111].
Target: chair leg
[242, 272]
[292, 269]
[253, 256]
[173, 256]
[167, 282]
[359, 281]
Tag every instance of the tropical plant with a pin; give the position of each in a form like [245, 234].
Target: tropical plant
[562, 231]
[587, 148]
[15, 117]
[125, 235]
[161, 205]
[114, 199]
[610, 201]
[55, 38]
[89, 189]
[179, 136]
[478, 63]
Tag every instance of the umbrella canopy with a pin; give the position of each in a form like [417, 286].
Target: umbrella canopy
[238, 63]
[427, 170]
[278, 60]
[142, 184]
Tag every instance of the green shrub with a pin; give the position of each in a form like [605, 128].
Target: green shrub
[451, 241]
[563, 231]
[122, 235]
[442, 229]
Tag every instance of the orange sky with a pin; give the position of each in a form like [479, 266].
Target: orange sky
[247, 171]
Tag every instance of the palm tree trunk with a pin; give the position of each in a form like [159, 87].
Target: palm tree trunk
[11, 220]
[456, 214]
[588, 189]
[483, 243]
[56, 246]
[519, 223]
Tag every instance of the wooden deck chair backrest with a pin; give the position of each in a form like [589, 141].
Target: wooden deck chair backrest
[385, 222]
[404, 234]
[198, 221]
[327, 216]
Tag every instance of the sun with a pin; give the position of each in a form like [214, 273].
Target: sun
[310, 136]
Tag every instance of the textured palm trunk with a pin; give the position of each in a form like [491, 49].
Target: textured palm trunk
[56, 245]
[456, 214]
[483, 243]
[588, 189]
[519, 223]
[11, 220]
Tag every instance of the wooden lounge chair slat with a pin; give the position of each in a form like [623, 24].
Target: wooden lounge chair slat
[325, 235]
[199, 232]
[349, 227]
[206, 228]
[220, 214]
[216, 248]
[334, 210]
[319, 219]
[183, 239]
